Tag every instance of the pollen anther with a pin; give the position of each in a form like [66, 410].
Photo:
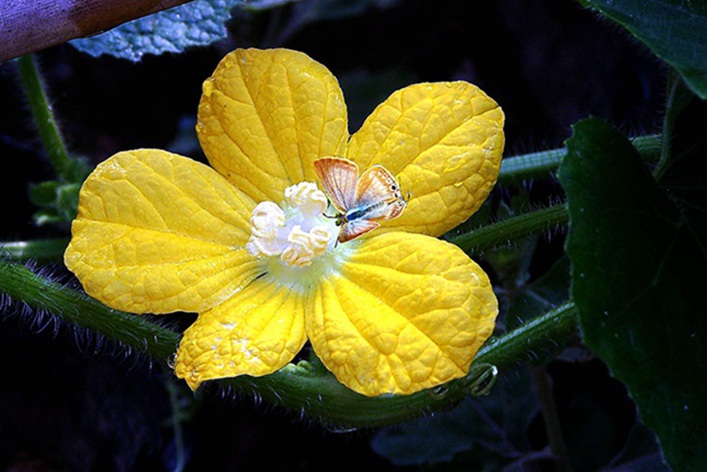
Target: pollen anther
[297, 232]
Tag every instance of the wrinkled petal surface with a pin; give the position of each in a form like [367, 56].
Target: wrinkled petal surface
[256, 332]
[444, 142]
[407, 312]
[266, 115]
[157, 232]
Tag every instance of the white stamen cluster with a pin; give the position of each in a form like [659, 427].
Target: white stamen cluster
[298, 233]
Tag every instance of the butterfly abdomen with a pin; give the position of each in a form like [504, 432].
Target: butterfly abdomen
[374, 211]
[357, 213]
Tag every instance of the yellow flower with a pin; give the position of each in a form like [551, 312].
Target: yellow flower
[247, 247]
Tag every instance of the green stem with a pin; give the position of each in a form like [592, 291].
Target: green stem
[321, 396]
[515, 170]
[528, 166]
[44, 117]
[75, 308]
[301, 387]
[500, 233]
[42, 250]
[552, 330]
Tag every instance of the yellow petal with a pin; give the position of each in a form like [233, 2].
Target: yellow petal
[157, 232]
[256, 332]
[407, 312]
[265, 116]
[444, 142]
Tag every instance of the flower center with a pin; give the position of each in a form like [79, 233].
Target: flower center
[297, 232]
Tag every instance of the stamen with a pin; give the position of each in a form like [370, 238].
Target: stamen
[305, 195]
[266, 220]
[298, 233]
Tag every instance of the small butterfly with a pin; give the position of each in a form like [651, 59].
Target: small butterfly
[360, 203]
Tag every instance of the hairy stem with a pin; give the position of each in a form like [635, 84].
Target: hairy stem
[43, 115]
[321, 396]
[305, 386]
[541, 164]
[75, 308]
[553, 329]
[503, 232]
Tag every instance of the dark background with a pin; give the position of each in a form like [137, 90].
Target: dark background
[70, 402]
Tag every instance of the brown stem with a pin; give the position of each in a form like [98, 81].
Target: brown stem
[31, 25]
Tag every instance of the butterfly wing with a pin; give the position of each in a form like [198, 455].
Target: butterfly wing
[338, 177]
[354, 229]
[378, 194]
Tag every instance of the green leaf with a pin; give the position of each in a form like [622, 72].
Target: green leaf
[638, 281]
[640, 453]
[197, 23]
[493, 427]
[540, 296]
[683, 169]
[44, 193]
[58, 201]
[675, 30]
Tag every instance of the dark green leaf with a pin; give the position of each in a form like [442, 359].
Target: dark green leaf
[675, 30]
[44, 193]
[638, 280]
[540, 296]
[685, 164]
[494, 427]
[58, 201]
[640, 453]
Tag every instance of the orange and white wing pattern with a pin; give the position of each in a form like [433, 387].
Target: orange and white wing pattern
[361, 203]
[379, 192]
[355, 228]
[338, 177]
